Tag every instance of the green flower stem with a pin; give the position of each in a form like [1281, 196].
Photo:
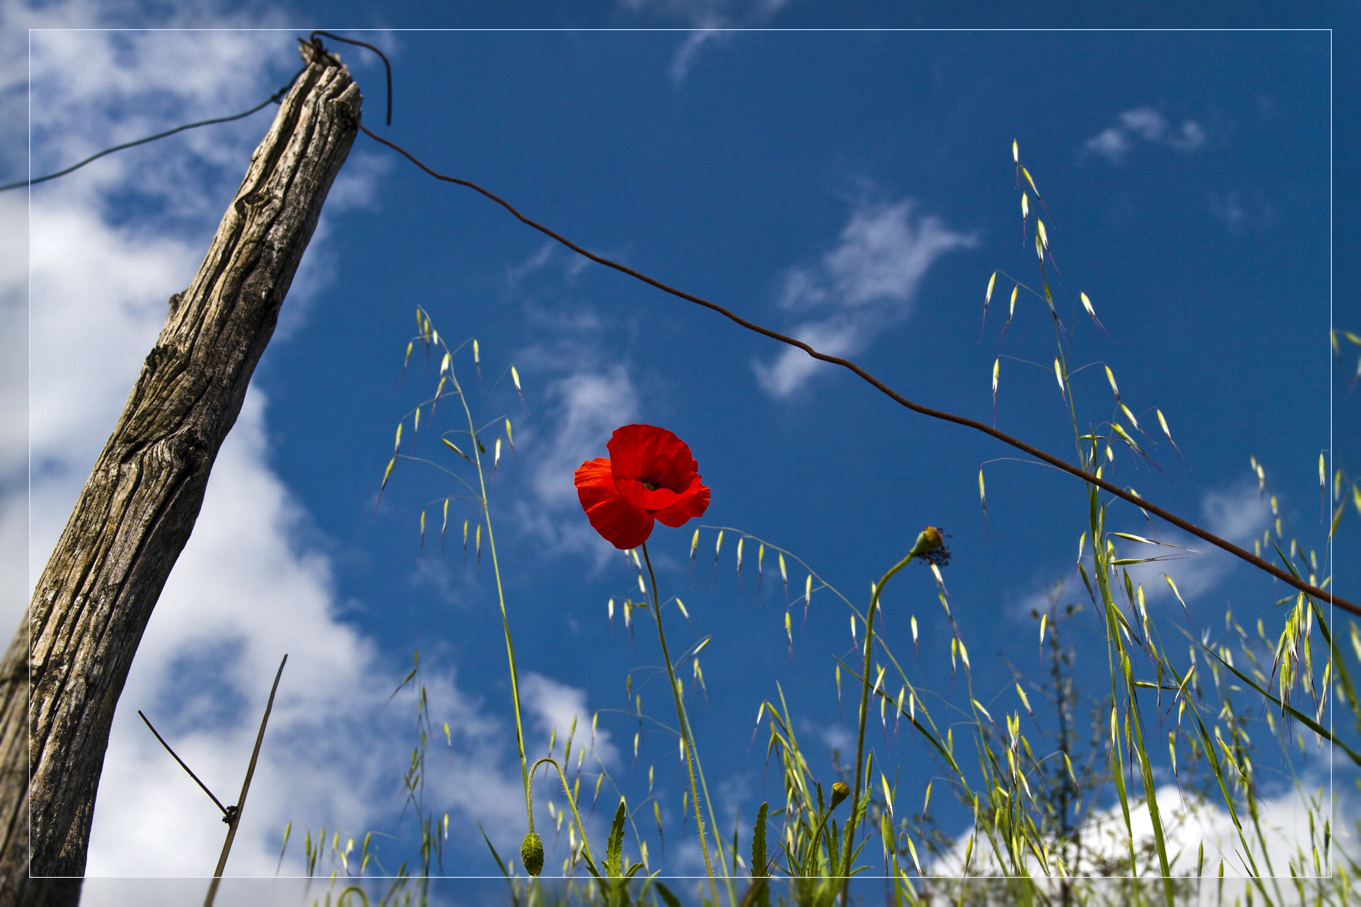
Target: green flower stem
[817, 832]
[713, 821]
[921, 546]
[571, 801]
[686, 737]
[501, 600]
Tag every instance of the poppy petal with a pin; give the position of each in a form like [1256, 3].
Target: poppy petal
[691, 504]
[650, 453]
[621, 523]
[594, 479]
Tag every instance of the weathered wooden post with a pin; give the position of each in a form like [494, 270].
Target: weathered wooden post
[62, 675]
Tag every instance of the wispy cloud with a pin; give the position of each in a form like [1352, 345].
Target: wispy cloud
[586, 405]
[1240, 211]
[1235, 512]
[707, 33]
[560, 711]
[581, 386]
[590, 406]
[713, 22]
[548, 254]
[1143, 126]
[863, 286]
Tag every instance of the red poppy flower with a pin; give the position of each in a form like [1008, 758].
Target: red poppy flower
[650, 476]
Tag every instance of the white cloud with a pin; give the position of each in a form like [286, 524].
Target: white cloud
[13, 411]
[99, 284]
[241, 596]
[1146, 125]
[542, 255]
[862, 287]
[1284, 820]
[97, 293]
[579, 386]
[14, 318]
[558, 709]
[792, 368]
[1111, 143]
[16, 18]
[1237, 513]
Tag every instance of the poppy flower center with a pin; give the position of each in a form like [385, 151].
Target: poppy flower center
[649, 485]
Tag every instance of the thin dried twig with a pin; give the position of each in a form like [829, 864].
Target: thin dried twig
[233, 817]
[225, 812]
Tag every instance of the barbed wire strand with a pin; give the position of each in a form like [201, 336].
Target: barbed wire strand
[272, 99]
[1050, 459]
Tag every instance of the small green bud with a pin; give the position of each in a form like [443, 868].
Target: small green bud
[840, 791]
[531, 854]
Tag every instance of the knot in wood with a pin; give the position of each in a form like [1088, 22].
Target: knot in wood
[160, 352]
[253, 200]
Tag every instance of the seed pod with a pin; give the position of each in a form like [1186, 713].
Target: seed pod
[531, 854]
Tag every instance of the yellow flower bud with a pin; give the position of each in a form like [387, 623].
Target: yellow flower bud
[930, 547]
[840, 791]
[929, 540]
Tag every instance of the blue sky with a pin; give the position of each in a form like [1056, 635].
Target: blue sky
[853, 188]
